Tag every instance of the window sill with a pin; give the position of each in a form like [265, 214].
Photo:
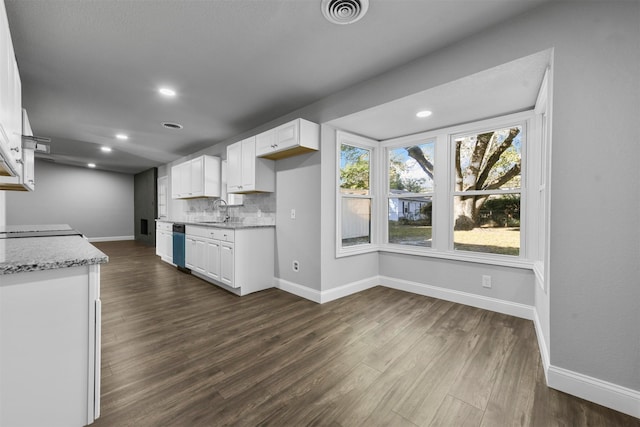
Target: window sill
[503, 261]
[356, 250]
[499, 260]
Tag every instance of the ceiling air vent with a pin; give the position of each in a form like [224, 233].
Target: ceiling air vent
[170, 125]
[344, 11]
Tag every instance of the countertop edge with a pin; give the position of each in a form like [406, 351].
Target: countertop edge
[29, 254]
[226, 226]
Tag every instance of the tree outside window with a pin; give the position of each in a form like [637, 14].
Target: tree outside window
[355, 192]
[410, 194]
[487, 191]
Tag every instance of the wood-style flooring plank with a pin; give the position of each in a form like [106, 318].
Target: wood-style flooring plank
[178, 351]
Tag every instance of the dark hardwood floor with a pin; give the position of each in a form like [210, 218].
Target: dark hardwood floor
[178, 351]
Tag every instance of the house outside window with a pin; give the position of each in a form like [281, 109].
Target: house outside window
[410, 188]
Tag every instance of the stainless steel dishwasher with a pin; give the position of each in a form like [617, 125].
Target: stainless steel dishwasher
[179, 245]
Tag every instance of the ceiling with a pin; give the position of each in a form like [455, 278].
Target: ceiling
[507, 88]
[91, 69]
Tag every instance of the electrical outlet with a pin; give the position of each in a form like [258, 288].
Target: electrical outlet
[486, 281]
[295, 266]
[293, 214]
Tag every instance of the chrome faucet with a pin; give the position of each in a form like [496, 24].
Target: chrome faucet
[226, 208]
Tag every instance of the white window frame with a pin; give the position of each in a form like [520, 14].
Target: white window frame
[346, 138]
[522, 191]
[444, 176]
[383, 213]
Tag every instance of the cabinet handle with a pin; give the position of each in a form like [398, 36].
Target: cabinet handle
[16, 149]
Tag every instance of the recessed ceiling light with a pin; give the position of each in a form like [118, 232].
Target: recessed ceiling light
[424, 113]
[122, 136]
[170, 125]
[106, 149]
[91, 165]
[167, 91]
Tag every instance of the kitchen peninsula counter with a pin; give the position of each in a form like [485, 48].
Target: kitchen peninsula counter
[47, 247]
[50, 327]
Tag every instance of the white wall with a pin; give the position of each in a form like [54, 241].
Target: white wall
[97, 203]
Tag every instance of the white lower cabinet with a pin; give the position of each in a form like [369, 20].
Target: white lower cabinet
[239, 260]
[50, 347]
[164, 241]
[226, 264]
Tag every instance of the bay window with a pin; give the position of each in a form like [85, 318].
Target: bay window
[456, 193]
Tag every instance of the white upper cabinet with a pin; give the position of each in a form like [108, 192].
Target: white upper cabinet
[25, 180]
[199, 177]
[290, 139]
[10, 104]
[245, 172]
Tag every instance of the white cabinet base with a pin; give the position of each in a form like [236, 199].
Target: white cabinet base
[50, 347]
[251, 260]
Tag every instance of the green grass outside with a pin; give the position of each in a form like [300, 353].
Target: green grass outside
[499, 240]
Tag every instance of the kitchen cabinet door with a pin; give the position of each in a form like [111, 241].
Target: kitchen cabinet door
[185, 179]
[190, 254]
[213, 259]
[245, 172]
[196, 181]
[10, 104]
[234, 167]
[248, 164]
[296, 137]
[168, 246]
[227, 264]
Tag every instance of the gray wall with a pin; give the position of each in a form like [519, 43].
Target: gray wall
[298, 187]
[97, 203]
[337, 272]
[3, 210]
[145, 206]
[595, 203]
[591, 305]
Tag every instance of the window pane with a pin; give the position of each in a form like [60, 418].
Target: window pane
[495, 227]
[489, 160]
[356, 221]
[354, 170]
[410, 221]
[411, 169]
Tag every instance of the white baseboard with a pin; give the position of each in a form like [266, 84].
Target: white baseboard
[110, 238]
[299, 290]
[603, 393]
[542, 344]
[322, 297]
[349, 289]
[501, 306]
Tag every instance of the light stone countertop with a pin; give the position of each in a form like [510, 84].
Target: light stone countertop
[25, 254]
[227, 225]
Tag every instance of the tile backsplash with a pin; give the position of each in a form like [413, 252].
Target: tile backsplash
[257, 209]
